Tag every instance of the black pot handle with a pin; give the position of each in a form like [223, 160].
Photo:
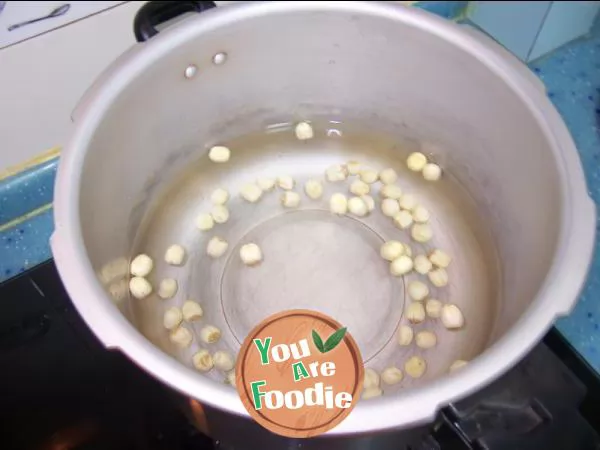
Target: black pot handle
[156, 12]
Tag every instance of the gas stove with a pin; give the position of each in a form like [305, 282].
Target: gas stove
[60, 389]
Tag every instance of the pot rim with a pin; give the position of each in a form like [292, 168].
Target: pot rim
[556, 297]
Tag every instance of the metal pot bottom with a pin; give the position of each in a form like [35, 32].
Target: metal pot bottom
[312, 258]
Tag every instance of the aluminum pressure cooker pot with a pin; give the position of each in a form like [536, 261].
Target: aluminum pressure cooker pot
[377, 81]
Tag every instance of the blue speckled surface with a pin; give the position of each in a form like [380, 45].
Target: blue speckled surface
[572, 77]
[27, 191]
[25, 245]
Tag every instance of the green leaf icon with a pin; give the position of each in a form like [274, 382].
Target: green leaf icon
[334, 340]
[318, 341]
[331, 342]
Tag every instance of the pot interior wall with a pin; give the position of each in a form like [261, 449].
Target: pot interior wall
[399, 79]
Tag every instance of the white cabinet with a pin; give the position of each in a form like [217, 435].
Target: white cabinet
[16, 12]
[42, 78]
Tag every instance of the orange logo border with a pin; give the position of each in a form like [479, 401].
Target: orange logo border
[243, 385]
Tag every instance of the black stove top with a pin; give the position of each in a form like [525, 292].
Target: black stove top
[60, 389]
